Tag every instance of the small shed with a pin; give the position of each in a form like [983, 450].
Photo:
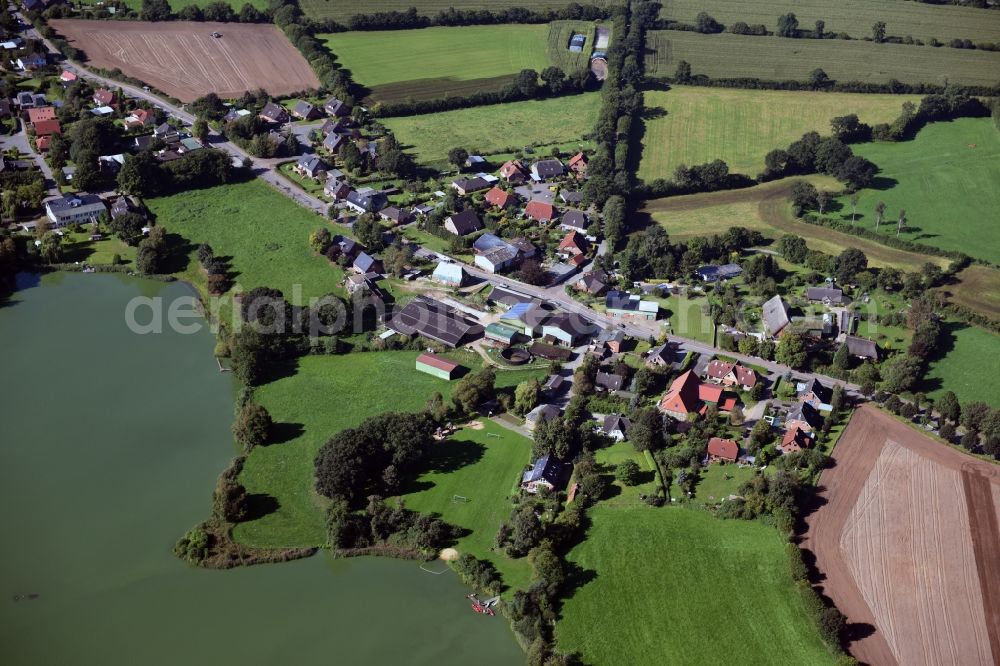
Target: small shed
[436, 365]
[501, 333]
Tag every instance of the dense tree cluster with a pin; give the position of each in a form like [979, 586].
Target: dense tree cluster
[651, 254]
[374, 457]
[144, 175]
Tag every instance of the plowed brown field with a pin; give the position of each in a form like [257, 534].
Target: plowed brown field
[182, 58]
[907, 543]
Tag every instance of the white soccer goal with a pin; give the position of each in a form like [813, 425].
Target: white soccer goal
[459, 499]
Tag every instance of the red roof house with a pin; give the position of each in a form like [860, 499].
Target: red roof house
[42, 143]
[731, 374]
[40, 114]
[722, 449]
[513, 172]
[578, 164]
[500, 198]
[47, 128]
[139, 117]
[795, 439]
[103, 97]
[573, 243]
[67, 76]
[540, 211]
[682, 397]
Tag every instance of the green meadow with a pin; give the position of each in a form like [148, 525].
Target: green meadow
[969, 368]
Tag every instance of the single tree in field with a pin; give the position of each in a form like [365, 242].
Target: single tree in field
[878, 32]
[457, 157]
[854, 207]
[822, 200]
[901, 222]
[879, 212]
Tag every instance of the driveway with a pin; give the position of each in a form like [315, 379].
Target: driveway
[20, 143]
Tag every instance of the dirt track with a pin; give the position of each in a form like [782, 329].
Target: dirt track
[182, 58]
[894, 545]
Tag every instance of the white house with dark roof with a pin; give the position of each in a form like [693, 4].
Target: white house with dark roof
[463, 223]
[74, 208]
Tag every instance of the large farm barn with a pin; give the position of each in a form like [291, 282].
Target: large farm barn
[908, 544]
[185, 61]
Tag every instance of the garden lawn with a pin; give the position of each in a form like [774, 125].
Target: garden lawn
[969, 368]
[688, 125]
[948, 181]
[621, 495]
[677, 586]
[428, 62]
[482, 468]
[687, 318]
[265, 233]
[496, 128]
[715, 486]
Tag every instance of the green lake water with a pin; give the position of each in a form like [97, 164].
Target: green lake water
[110, 445]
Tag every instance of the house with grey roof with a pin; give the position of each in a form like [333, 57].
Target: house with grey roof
[274, 113]
[827, 295]
[546, 474]
[305, 111]
[366, 200]
[540, 413]
[311, 166]
[336, 108]
[469, 185]
[861, 347]
[616, 426]
[574, 220]
[774, 312]
[547, 169]
[463, 223]
[74, 208]
[713, 273]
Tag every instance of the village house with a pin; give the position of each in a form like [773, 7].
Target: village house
[364, 264]
[571, 197]
[685, 396]
[826, 295]
[714, 273]
[540, 211]
[726, 450]
[513, 171]
[731, 374]
[578, 165]
[365, 200]
[32, 61]
[139, 118]
[573, 244]
[234, 115]
[74, 208]
[573, 220]
[466, 186]
[546, 170]
[528, 316]
[661, 356]
[274, 113]
[29, 100]
[303, 110]
[497, 259]
[334, 142]
[815, 394]
[501, 198]
[310, 166]
[336, 188]
[332, 126]
[616, 426]
[506, 298]
[40, 114]
[774, 312]
[545, 474]
[336, 108]
[795, 440]
[608, 341]
[594, 283]
[539, 414]
[394, 214]
[463, 223]
[803, 416]
[622, 305]
[122, 205]
[166, 133]
[861, 348]
[609, 381]
[45, 129]
[67, 77]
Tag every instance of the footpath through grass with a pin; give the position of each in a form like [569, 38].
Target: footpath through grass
[497, 128]
[948, 181]
[677, 586]
[688, 125]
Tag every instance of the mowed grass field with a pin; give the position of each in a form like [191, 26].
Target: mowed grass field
[776, 58]
[948, 181]
[265, 233]
[691, 125]
[315, 399]
[493, 129]
[677, 586]
[434, 62]
[969, 368]
[978, 287]
[482, 466]
[341, 10]
[855, 17]
[766, 208]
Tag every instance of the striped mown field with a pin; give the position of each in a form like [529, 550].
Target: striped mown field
[779, 59]
[854, 17]
[691, 125]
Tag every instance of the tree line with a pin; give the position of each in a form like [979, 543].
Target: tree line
[409, 19]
